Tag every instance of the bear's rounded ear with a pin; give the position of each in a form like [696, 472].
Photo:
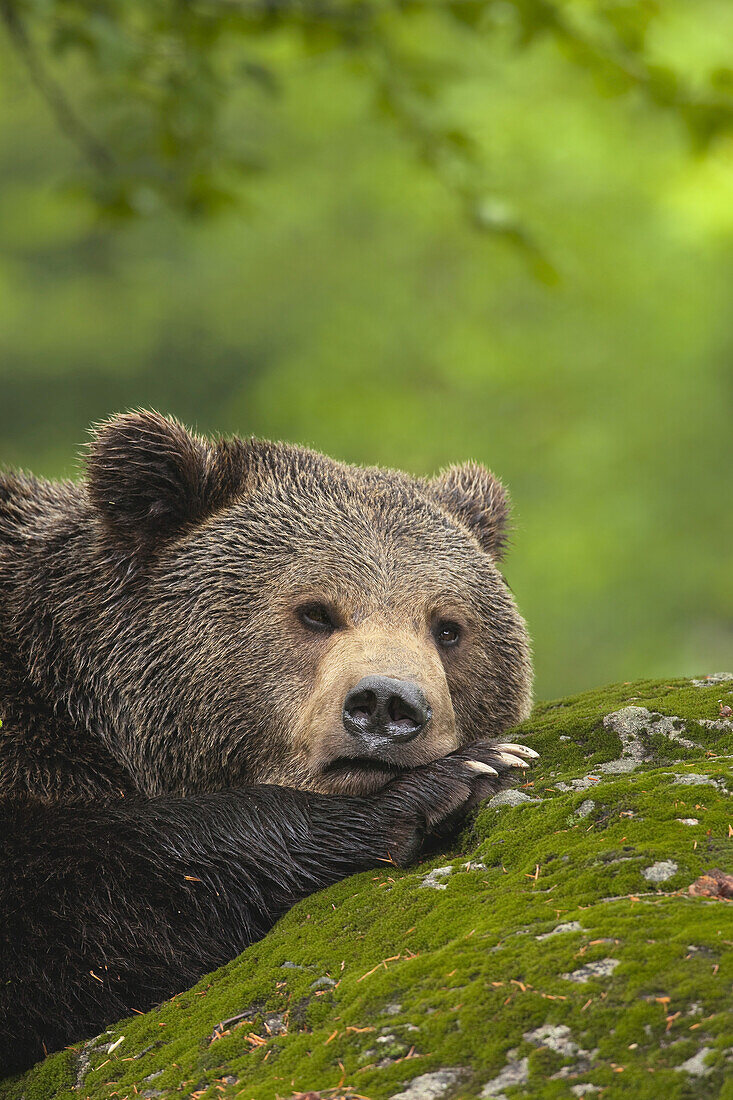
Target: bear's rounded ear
[473, 495]
[150, 478]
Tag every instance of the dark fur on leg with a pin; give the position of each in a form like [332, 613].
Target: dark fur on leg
[114, 908]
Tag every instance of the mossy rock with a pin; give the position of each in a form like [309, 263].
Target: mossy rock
[561, 955]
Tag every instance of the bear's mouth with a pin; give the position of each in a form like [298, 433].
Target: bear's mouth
[365, 763]
[359, 774]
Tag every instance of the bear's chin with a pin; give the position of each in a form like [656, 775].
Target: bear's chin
[357, 776]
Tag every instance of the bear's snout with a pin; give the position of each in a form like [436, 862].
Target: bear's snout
[382, 710]
[380, 704]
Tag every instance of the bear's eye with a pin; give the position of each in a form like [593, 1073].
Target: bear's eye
[447, 633]
[316, 617]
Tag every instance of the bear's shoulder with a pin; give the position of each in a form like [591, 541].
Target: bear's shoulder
[42, 754]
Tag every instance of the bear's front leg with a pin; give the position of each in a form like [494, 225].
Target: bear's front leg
[109, 909]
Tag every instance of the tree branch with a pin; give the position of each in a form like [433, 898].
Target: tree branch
[66, 118]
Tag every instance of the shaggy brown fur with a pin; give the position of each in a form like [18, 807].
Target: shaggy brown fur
[210, 617]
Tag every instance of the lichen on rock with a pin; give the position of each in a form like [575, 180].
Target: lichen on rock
[551, 965]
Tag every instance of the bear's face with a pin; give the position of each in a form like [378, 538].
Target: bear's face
[319, 626]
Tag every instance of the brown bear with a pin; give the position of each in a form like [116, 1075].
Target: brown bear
[231, 673]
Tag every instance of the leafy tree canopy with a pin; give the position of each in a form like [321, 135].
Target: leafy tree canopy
[149, 90]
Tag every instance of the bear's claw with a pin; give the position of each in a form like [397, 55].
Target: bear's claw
[511, 760]
[517, 750]
[479, 766]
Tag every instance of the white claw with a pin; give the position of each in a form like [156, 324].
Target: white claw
[479, 766]
[520, 750]
[512, 761]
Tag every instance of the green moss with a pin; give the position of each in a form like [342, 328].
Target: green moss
[458, 977]
[49, 1078]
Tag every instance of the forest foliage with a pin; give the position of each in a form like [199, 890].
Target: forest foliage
[405, 233]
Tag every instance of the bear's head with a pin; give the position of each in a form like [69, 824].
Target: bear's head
[276, 616]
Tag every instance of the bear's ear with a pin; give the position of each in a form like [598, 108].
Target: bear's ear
[150, 478]
[473, 495]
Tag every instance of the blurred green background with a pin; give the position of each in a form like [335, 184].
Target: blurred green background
[346, 300]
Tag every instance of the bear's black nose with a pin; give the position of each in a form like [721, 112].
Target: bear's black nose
[382, 710]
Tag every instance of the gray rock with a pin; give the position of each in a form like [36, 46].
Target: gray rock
[84, 1060]
[275, 1023]
[634, 725]
[556, 1037]
[83, 1066]
[515, 1072]
[619, 767]
[725, 725]
[602, 969]
[585, 809]
[393, 1009]
[431, 879]
[695, 1066]
[694, 779]
[569, 926]
[577, 784]
[687, 820]
[323, 983]
[631, 723]
[389, 1050]
[512, 798]
[660, 871]
[686, 743]
[584, 1090]
[713, 678]
[570, 1071]
[431, 1086]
